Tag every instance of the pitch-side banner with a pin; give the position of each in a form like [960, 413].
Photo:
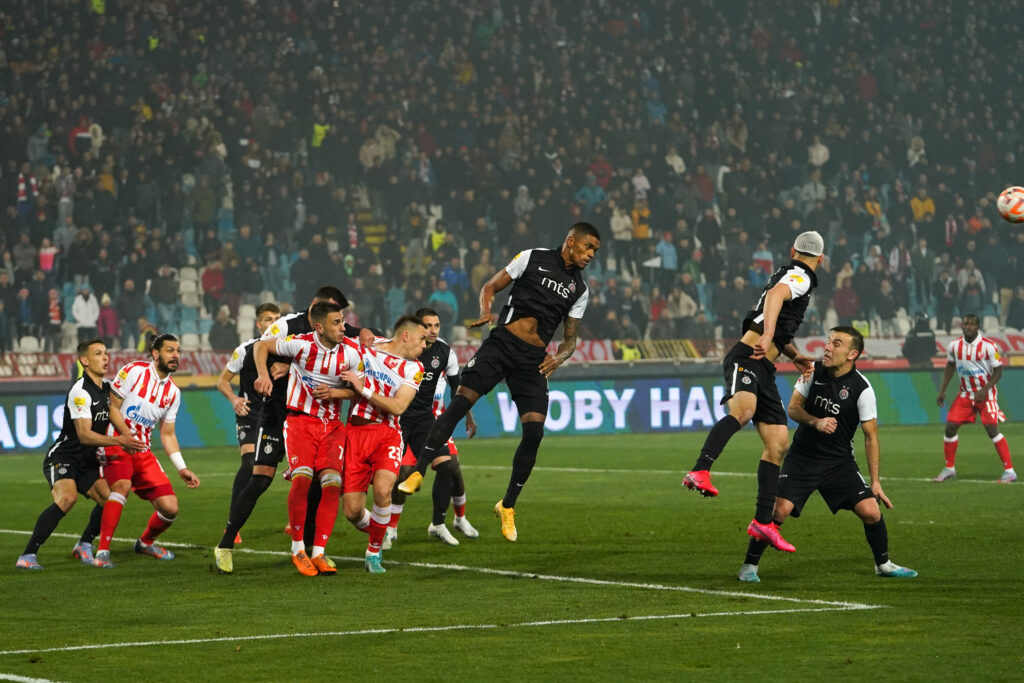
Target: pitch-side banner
[31, 423]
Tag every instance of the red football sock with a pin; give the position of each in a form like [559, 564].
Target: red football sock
[157, 525]
[459, 505]
[949, 448]
[396, 514]
[327, 513]
[379, 519]
[297, 503]
[111, 516]
[1003, 449]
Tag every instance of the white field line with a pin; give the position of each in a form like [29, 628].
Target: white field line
[23, 679]
[527, 575]
[415, 629]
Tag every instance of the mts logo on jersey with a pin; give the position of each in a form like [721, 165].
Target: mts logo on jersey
[557, 287]
[133, 414]
[828, 404]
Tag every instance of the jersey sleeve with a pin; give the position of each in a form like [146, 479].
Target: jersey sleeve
[412, 375]
[453, 364]
[581, 304]
[79, 403]
[171, 416]
[867, 407]
[798, 282]
[234, 365]
[994, 361]
[279, 330]
[950, 353]
[122, 381]
[517, 266]
[803, 385]
[289, 346]
[353, 359]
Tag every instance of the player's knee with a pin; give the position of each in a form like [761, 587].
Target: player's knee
[440, 460]
[167, 509]
[533, 434]
[303, 471]
[383, 497]
[122, 487]
[868, 511]
[65, 500]
[330, 479]
[353, 510]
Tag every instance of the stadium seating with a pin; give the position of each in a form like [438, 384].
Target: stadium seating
[190, 341]
[29, 344]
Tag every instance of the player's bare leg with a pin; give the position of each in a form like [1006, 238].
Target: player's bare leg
[165, 510]
[741, 407]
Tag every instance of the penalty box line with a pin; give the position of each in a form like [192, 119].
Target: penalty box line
[528, 575]
[422, 629]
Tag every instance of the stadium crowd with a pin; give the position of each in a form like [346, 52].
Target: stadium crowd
[167, 165]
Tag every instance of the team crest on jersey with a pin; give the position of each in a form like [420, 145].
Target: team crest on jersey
[572, 286]
[471, 363]
[435, 362]
[844, 393]
[391, 362]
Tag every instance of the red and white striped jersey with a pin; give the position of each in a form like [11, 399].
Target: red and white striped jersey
[975, 363]
[313, 364]
[147, 399]
[385, 373]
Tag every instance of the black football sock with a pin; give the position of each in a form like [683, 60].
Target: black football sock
[309, 530]
[878, 539]
[767, 484]
[522, 463]
[715, 442]
[243, 507]
[242, 477]
[458, 483]
[92, 529]
[441, 431]
[442, 491]
[45, 524]
[755, 549]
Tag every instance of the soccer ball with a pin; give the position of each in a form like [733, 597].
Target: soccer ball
[1011, 204]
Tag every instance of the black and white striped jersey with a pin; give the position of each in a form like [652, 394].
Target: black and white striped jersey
[801, 281]
[84, 399]
[849, 398]
[544, 288]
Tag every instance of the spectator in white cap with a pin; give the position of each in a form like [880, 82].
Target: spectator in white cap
[751, 393]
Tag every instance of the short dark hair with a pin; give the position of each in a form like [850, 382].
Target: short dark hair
[83, 346]
[331, 293]
[424, 312]
[160, 340]
[320, 310]
[584, 228]
[408, 321]
[856, 338]
[269, 307]
[973, 316]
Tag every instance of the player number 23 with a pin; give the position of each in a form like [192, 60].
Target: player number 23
[395, 453]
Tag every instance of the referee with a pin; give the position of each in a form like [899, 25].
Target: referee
[71, 466]
[829, 404]
[547, 290]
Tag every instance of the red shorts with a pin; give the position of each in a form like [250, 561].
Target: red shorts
[149, 481]
[314, 442]
[964, 410]
[369, 448]
[409, 459]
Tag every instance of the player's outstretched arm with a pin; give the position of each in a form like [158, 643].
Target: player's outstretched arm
[498, 282]
[570, 332]
[946, 376]
[169, 440]
[871, 452]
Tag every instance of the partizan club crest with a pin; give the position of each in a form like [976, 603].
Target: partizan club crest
[844, 393]
[435, 362]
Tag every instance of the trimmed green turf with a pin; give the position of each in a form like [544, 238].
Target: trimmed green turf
[606, 508]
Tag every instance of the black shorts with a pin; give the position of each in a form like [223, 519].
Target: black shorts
[246, 431]
[838, 481]
[414, 434]
[269, 440]
[743, 373]
[504, 356]
[84, 472]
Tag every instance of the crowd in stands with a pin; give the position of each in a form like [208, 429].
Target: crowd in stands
[168, 165]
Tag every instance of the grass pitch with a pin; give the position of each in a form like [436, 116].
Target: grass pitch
[618, 574]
